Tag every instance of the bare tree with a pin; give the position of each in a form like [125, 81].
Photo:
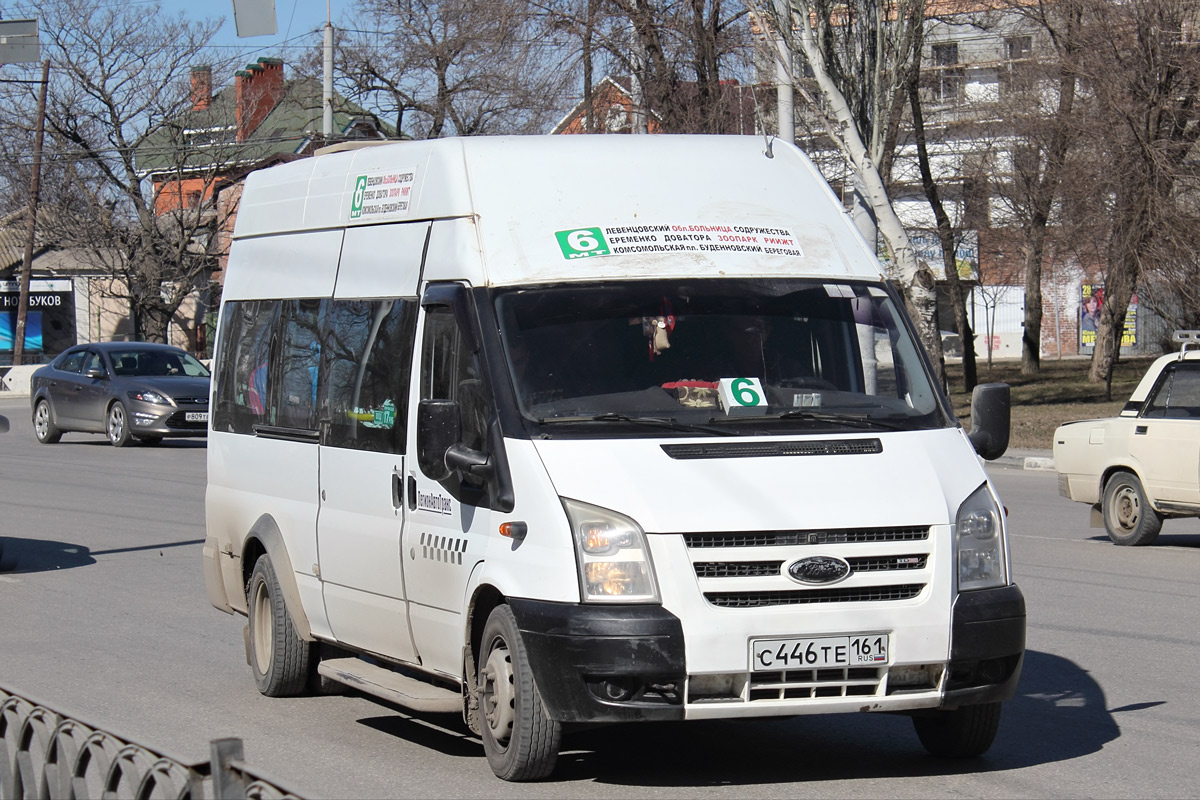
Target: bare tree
[1144, 72]
[454, 67]
[861, 55]
[120, 77]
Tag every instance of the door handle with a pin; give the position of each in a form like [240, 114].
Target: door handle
[397, 494]
[412, 493]
[1139, 430]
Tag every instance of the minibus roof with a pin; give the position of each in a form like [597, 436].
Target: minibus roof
[581, 207]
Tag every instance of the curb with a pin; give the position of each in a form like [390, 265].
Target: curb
[1038, 463]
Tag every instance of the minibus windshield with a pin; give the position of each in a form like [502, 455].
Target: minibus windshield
[712, 357]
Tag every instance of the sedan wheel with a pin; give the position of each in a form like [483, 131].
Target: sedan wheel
[43, 424]
[1128, 516]
[117, 426]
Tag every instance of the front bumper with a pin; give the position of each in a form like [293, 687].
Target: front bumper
[609, 663]
[598, 663]
[987, 646]
[150, 419]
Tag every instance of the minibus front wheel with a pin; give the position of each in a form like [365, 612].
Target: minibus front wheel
[965, 732]
[280, 659]
[519, 738]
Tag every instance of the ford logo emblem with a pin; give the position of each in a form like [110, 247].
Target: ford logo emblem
[819, 569]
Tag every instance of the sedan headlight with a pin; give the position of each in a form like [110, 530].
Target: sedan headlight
[979, 542]
[613, 558]
[151, 396]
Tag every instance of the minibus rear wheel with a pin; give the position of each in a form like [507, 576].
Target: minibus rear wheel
[280, 659]
[966, 732]
[519, 738]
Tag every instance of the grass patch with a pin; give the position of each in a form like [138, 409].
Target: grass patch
[1059, 393]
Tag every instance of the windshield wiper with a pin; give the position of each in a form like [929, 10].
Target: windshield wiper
[658, 422]
[849, 420]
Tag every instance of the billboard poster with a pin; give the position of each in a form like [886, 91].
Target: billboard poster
[49, 320]
[33, 331]
[1091, 300]
[928, 247]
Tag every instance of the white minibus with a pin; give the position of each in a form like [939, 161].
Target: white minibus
[566, 430]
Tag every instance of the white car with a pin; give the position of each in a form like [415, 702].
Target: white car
[1141, 467]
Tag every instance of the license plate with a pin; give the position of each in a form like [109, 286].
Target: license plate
[196, 416]
[828, 651]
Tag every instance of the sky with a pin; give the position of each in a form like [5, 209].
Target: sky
[295, 22]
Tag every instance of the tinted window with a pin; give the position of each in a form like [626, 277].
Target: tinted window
[245, 379]
[300, 356]
[72, 362]
[155, 363]
[1177, 395]
[366, 350]
[449, 371]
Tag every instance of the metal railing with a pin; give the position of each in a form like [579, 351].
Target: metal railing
[48, 754]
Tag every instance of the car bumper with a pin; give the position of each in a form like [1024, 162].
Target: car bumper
[609, 663]
[987, 646]
[146, 419]
[627, 663]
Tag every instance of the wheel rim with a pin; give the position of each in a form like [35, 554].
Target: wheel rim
[41, 421]
[1126, 508]
[116, 423]
[261, 629]
[499, 693]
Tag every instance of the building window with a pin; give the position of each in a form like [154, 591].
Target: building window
[1018, 72]
[948, 73]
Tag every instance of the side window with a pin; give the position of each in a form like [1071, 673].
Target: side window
[366, 352]
[243, 373]
[1177, 395]
[450, 372]
[92, 361]
[73, 362]
[300, 356]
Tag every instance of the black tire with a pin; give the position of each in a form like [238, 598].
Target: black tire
[116, 425]
[966, 732]
[1128, 516]
[43, 423]
[519, 738]
[281, 660]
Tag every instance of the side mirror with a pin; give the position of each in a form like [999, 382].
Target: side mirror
[438, 428]
[991, 414]
[95, 373]
[3, 424]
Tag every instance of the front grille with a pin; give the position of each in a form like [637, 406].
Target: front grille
[744, 569]
[190, 401]
[886, 563]
[805, 684]
[794, 538]
[807, 447]
[865, 594]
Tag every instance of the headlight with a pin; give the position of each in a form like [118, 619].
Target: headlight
[610, 549]
[150, 396]
[979, 542]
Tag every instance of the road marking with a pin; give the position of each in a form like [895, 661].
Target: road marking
[7, 579]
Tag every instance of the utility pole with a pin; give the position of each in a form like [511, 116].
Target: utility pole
[784, 89]
[31, 222]
[327, 79]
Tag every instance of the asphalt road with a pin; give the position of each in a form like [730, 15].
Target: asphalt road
[103, 616]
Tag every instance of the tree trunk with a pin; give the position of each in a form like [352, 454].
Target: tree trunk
[1130, 235]
[946, 237]
[1031, 335]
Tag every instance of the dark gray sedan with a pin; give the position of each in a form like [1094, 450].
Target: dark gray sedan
[125, 390]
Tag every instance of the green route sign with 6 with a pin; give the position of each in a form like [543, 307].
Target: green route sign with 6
[582, 242]
[742, 395]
